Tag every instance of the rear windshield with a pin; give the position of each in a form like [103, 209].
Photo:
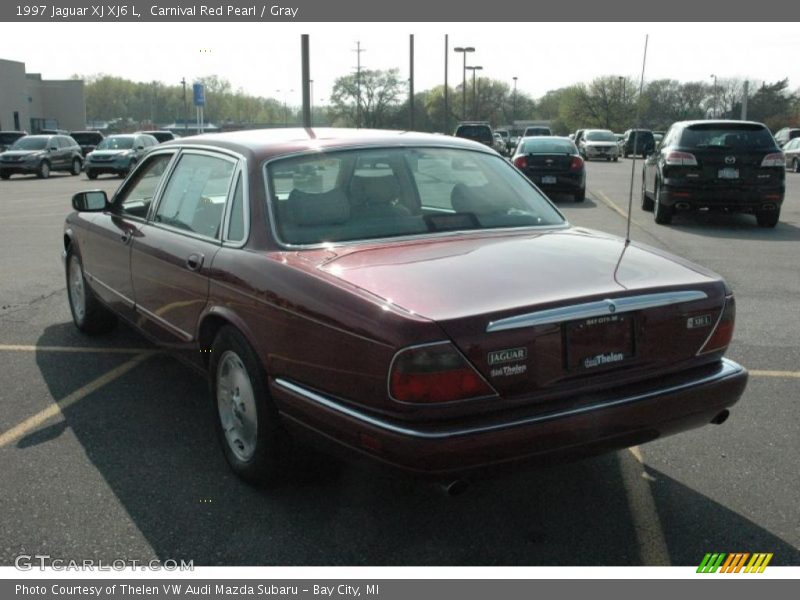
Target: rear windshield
[87, 137]
[642, 136]
[537, 131]
[600, 136]
[727, 136]
[30, 143]
[116, 142]
[548, 146]
[380, 193]
[474, 132]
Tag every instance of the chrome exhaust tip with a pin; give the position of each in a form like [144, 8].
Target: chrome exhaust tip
[455, 487]
[682, 205]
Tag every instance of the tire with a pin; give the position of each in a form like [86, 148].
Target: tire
[76, 167]
[796, 165]
[88, 314]
[43, 172]
[608, 159]
[91, 174]
[131, 167]
[647, 201]
[768, 219]
[662, 214]
[580, 196]
[247, 421]
[616, 158]
[4, 175]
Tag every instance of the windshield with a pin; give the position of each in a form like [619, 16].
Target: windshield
[727, 137]
[600, 136]
[380, 193]
[537, 131]
[30, 143]
[86, 138]
[548, 146]
[116, 142]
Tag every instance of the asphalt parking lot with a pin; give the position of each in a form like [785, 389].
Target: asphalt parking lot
[107, 448]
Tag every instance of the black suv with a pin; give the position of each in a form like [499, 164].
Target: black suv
[479, 132]
[7, 138]
[87, 140]
[734, 166]
[639, 142]
[41, 154]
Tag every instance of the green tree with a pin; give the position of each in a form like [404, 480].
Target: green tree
[374, 100]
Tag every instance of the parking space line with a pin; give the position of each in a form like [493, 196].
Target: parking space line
[789, 374]
[612, 205]
[646, 523]
[55, 409]
[24, 348]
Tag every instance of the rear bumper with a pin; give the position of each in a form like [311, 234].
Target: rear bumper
[739, 198]
[618, 419]
[565, 182]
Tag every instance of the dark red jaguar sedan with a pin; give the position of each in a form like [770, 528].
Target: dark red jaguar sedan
[411, 298]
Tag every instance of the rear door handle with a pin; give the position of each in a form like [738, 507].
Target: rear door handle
[195, 261]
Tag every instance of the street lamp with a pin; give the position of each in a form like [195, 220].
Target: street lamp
[464, 50]
[311, 105]
[514, 102]
[474, 95]
[714, 115]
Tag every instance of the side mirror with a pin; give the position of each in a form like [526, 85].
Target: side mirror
[53, 148]
[140, 147]
[93, 201]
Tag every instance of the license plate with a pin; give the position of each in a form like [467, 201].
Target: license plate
[599, 342]
[728, 174]
[548, 179]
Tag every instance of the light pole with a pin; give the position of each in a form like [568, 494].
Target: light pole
[714, 115]
[514, 102]
[185, 115]
[474, 95]
[464, 50]
[311, 101]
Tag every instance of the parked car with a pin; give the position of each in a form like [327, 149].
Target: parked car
[734, 166]
[408, 297]
[118, 154]
[41, 154]
[503, 133]
[638, 142]
[787, 133]
[599, 143]
[478, 132]
[161, 136]
[578, 136]
[499, 143]
[657, 137]
[553, 164]
[87, 140]
[536, 130]
[7, 138]
[791, 152]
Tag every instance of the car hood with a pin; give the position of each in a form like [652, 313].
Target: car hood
[491, 274]
[20, 153]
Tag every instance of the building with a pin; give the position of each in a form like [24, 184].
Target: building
[30, 103]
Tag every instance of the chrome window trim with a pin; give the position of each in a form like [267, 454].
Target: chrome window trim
[383, 146]
[236, 159]
[186, 337]
[241, 172]
[598, 308]
[728, 369]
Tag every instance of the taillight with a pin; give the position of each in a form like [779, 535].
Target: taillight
[681, 158]
[776, 159]
[723, 331]
[576, 164]
[521, 162]
[435, 373]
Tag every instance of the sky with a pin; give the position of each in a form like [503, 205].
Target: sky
[262, 58]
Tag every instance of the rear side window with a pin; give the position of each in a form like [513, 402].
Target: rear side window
[236, 221]
[727, 136]
[194, 198]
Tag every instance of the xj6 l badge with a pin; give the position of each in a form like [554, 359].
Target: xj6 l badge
[497, 357]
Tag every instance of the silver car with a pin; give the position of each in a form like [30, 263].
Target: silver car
[599, 143]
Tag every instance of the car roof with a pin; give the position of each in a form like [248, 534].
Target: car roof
[268, 143]
[717, 122]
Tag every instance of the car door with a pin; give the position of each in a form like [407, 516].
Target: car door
[171, 258]
[107, 249]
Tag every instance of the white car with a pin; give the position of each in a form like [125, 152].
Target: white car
[599, 143]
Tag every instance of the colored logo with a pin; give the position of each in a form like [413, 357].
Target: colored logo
[735, 562]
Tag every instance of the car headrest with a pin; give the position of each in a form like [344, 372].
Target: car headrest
[476, 200]
[366, 191]
[326, 208]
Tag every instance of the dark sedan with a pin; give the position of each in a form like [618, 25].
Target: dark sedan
[407, 297]
[41, 155]
[553, 164]
[733, 166]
